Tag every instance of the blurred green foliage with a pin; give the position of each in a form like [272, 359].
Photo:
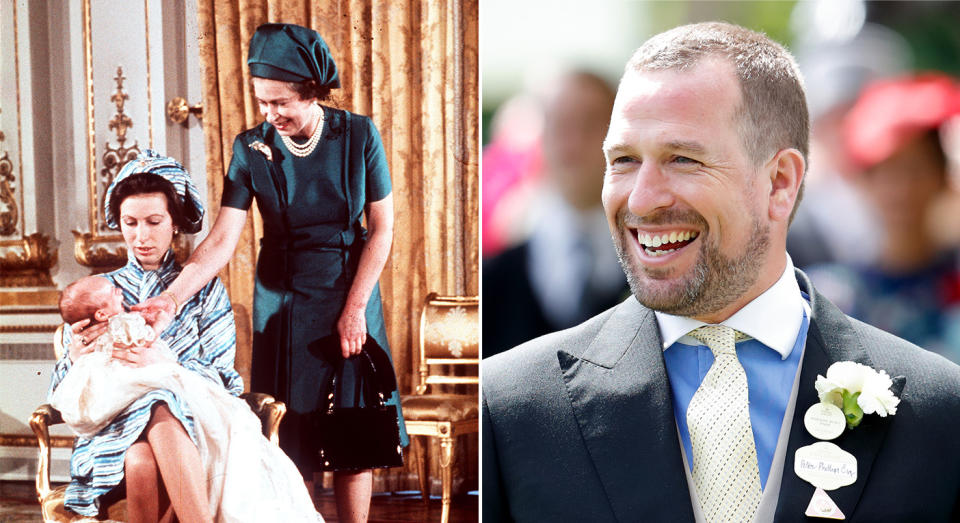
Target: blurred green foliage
[771, 17]
[931, 28]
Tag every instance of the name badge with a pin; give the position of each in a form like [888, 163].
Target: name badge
[824, 421]
[821, 506]
[825, 465]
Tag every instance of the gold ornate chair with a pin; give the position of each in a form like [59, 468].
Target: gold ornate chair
[449, 340]
[264, 406]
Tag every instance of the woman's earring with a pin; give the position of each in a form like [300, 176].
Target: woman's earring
[176, 231]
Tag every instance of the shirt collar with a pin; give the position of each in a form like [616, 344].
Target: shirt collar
[774, 318]
[168, 261]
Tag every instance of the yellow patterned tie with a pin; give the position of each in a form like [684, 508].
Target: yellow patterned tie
[725, 470]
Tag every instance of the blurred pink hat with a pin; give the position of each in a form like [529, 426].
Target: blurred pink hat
[890, 113]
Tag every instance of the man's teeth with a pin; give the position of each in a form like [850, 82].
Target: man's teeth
[649, 243]
[655, 241]
[659, 253]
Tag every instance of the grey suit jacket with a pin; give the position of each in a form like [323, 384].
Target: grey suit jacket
[578, 426]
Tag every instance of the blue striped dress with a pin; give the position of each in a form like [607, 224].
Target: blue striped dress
[203, 338]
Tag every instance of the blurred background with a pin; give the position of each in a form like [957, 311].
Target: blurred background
[879, 227]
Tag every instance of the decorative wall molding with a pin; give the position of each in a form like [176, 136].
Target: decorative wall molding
[11, 172]
[9, 209]
[115, 157]
[28, 351]
[27, 262]
[32, 301]
[100, 253]
[100, 248]
[20, 329]
[25, 259]
[106, 253]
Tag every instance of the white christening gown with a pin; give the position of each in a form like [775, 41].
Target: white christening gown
[248, 477]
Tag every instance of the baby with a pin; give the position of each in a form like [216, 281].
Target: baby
[86, 398]
[96, 299]
[90, 297]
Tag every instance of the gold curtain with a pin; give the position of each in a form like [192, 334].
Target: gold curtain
[413, 68]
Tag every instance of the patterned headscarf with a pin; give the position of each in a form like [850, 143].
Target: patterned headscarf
[149, 161]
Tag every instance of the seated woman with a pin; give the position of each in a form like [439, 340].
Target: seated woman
[178, 430]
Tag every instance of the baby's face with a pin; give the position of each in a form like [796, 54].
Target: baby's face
[111, 298]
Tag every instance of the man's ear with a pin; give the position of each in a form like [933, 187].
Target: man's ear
[786, 174]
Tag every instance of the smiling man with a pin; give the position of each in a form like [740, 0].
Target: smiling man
[687, 401]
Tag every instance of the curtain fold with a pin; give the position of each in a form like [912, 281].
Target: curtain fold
[412, 67]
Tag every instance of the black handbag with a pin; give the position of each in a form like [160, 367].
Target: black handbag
[360, 437]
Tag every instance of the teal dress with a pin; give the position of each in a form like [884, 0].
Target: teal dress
[312, 240]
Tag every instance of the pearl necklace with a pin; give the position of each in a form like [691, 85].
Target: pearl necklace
[302, 151]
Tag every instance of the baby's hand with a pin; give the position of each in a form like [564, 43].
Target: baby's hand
[159, 311]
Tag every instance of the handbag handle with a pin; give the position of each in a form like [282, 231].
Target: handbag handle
[372, 388]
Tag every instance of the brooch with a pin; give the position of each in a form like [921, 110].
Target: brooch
[263, 148]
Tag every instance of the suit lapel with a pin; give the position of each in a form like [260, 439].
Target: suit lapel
[830, 339]
[620, 396]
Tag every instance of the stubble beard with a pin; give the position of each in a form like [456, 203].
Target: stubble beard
[714, 282]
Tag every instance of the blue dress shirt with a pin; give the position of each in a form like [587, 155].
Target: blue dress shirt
[776, 322]
[769, 384]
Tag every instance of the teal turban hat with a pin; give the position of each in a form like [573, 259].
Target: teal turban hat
[291, 53]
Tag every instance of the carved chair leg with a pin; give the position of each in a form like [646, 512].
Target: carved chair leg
[421, 449]
[40, 421]
[446, 474]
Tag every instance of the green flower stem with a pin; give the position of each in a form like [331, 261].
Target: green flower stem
[851, 409]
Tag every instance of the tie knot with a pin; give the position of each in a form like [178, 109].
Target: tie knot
[720, 338]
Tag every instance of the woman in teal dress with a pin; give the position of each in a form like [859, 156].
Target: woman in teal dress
[315, 172]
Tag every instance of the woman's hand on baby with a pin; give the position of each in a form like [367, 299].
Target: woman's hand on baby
[352, 327]
[83, 336]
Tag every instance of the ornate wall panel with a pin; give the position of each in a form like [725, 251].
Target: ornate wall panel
[117, 123]
[120, 110]
[25, 254]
